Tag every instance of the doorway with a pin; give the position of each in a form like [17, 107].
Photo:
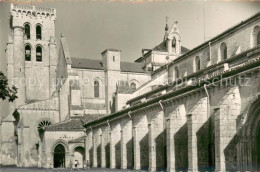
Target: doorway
[79, 155]
[59, 156]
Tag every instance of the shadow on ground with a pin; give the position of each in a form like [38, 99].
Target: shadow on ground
[14, 169]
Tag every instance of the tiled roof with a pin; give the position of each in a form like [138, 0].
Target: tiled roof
[162, 47]
[83, 63]
[132, 67]
[74, 123]
[91, 117]
[78, 140]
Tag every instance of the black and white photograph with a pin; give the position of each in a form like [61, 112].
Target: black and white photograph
[130, 85]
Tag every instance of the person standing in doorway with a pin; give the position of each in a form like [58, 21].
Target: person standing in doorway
[76, 164]
[71, 165]
[88, 164]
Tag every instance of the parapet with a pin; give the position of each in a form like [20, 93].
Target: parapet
[110, 49]
[29, 10]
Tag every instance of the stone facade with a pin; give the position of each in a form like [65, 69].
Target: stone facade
[173, 109]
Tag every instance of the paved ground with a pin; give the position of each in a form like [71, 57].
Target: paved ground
[11, 169]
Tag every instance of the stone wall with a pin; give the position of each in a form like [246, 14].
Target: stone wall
[195, 131]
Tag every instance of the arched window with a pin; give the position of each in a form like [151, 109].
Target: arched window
[223, 51]
[38, 32]
[173, 42]
[27, 30]
[197, 63]
[43, 124]
[96, 89]
[256, 36]
[133, 86]
[27, 53]
[38, 53]
[177, 74]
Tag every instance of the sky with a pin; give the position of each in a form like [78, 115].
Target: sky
[93, 26]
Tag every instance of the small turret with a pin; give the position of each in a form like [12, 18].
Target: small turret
[173, 40]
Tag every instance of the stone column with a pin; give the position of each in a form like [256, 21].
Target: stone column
[196, 118]
[225, 129]
[152, 148]
[220, 158]
[126, 144]
[19, 64]
[141, 146]
[192, 144]
[115, 140]
[103, 153]
[170, 145]
[94, 151]
[112, 151]
[136, 150]
[88, 145]
[123, 151]
[175, 121]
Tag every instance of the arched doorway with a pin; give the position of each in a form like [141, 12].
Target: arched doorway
[79, 155]
[258, 147]
[59, 156]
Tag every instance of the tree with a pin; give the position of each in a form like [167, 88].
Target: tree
[5, 91]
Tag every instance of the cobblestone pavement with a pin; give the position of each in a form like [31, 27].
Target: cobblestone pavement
[13, 169]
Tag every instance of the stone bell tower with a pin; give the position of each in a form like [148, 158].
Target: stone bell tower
[31, 67]
[32, 55]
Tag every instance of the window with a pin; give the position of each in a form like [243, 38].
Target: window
[96, 89]
[223, 51]
[38, 53]
[258, 38]
[197, 63]
[27, 53]
[113, 58]
[133, 86]
[176, 71]
[43, 124]
[255, 40]
[173, 42]
[38, 32]
[27, 30]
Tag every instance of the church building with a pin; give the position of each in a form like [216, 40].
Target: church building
[172, 109]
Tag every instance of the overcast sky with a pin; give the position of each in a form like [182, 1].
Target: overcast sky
[92, 26]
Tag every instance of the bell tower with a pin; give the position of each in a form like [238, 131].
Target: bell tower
[173, 40]
[32, 55]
